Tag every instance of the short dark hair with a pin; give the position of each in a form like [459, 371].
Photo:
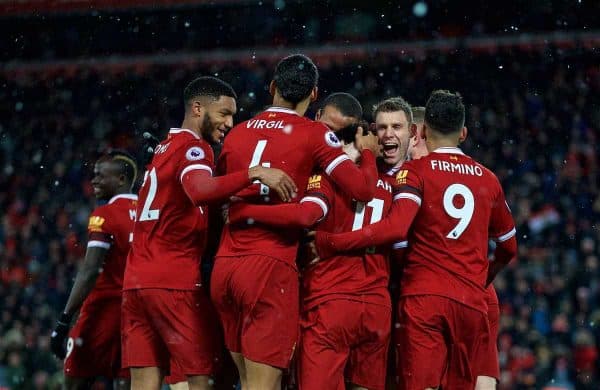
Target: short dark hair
[445, 111]
[295, 77]
[418, 114]
[124, 161]
[392, 105]
[345, 103]
[207, 86]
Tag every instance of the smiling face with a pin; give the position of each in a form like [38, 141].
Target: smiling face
[218, 119]
[107, 179]
[393, 131]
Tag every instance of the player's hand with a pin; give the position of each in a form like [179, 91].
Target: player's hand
[150, 142]
[367, 141]
[276, 179]
[321, 245]
[311, 249]
[58, 338]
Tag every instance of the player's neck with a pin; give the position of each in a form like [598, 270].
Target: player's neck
[189, 125]
[434, 143]
[300, 108]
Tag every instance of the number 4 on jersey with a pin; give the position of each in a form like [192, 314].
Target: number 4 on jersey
[256, 156]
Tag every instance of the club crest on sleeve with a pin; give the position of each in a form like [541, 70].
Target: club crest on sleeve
[95, 223]
[194, 153]
[401, 176]
[332, 140]
[314, 182]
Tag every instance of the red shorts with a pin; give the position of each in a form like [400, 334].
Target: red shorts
[437, 334]
[96, 333]
[490, 366]
[343, 340]
[257, 300]
[164, 327]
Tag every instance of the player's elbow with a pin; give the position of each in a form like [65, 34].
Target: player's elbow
[364, 193]
[307, 220]
[506, 251]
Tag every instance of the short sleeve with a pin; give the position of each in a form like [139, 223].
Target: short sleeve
[502, 225]
[195, 155]
[409, 184]
[99, 234]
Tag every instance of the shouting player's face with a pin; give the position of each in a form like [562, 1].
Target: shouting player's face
[218, 119]
[393, 131]
[106, 180]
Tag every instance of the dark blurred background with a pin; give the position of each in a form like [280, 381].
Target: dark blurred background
[78, 77]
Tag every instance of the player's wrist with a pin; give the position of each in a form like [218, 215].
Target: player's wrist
[254, 173]
[65, 319]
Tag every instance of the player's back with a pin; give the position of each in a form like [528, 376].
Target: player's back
[448, 241]
[111, 226]
[361, 275]
[169, 234]
[276, 138]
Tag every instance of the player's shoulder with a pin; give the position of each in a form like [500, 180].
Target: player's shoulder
[485, 171]
[317, 180]
[115, 205]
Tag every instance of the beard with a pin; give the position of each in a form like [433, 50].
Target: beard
[207, 129]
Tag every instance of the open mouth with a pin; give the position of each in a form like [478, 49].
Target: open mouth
[390, 149]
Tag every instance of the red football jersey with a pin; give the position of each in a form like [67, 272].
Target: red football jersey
[110, 227]
[361, 275]
[170, 232]
[276, 138]
[462, 204]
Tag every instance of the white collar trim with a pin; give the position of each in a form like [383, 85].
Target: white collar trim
[123, 196]
[281, 109]
[176, 130]
[449, 150]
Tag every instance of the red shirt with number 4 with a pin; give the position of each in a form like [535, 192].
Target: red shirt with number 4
[170, 232]
[278, 138]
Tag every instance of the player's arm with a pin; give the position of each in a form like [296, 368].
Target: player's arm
[394, 227]
[503, 232]
[505, 252]
[358, 181]
[85, 280]
[202, 188]
[301, 215]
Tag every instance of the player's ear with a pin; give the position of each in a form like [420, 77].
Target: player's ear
[272, 88]
[198, 108]
[318, 114]
[413, 130]
[463, 135]
[314, 93]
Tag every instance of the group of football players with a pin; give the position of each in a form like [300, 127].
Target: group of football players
[315, 217]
